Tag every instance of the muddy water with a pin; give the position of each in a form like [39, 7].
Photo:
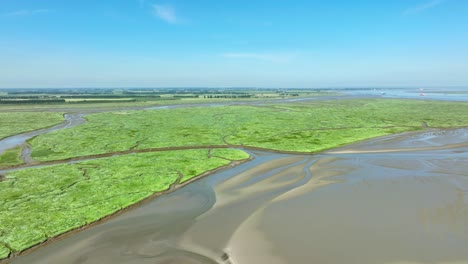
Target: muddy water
[352, 205]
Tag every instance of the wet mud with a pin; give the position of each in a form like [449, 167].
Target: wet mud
[392, 200]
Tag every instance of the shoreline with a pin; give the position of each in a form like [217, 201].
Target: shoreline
[174, 187]
[226, 146]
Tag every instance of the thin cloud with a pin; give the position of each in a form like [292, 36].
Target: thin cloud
[26, 12]
[166, 13]
[422, 7]
[270, 57]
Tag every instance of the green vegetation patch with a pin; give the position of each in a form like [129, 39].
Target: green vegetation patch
[40, 203]
[11, 157]
[4, 252]
[305, 127]
[12, 123]
[119, 131]
[229, 154]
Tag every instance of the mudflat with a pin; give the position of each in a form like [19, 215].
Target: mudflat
[348, 205]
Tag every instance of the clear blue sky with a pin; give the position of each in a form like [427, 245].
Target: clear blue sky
[212, 43]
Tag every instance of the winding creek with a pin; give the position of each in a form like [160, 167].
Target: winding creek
[71, 120]
[399, 199]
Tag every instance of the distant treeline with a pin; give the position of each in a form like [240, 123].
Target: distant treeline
[102, 96]
[61, 101]
[102, 101]
[175, 92]
[294, 94]
[90, 96]
[55, 91]
[38, 97]
[185, 96]
[228, 96]
[33, 101]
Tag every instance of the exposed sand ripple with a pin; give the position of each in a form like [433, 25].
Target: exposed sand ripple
[400, 199]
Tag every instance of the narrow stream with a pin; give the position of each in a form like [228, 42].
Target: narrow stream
[71, 120]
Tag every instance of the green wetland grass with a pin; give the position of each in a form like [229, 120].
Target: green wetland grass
[12, 123]
[4, 251]
[305, 127]
[40, 203]
[11, 157]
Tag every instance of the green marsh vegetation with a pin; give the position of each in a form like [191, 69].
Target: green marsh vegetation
[11, 157]
[301, 127]
[40, 203]
[4, 251]
[12, 123]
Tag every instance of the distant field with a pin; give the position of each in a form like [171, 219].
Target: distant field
[55, 98]
[98, 99]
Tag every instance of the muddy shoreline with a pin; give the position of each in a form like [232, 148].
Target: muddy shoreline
[34, 164]
[366, 208]
[146, 200]
[336, 150]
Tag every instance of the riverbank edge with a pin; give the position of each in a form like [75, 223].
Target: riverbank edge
[223, 146]
[33, 130]
[174, 187]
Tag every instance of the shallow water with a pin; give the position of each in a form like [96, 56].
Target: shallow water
[439, 94]
[406, 204]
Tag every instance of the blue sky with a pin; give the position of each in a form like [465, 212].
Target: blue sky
[221, 43]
